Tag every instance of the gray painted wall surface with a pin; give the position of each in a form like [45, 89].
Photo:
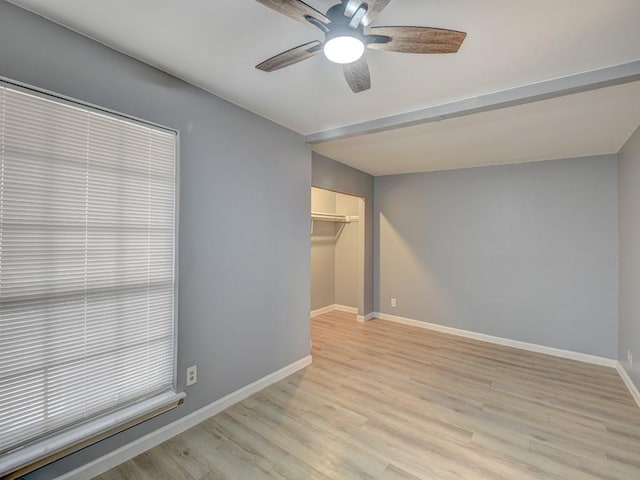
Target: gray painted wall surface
[323, 251]
[526, 252]
[332, 175]
[629, 254]
[347, 250]
[244, 213]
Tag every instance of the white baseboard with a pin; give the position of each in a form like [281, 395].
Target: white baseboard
[628, 382]
[322, 311]
[532, 347]
[331, 308]
[141, 445]
[367, 317]
[344, 308]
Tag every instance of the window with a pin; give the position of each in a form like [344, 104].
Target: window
[86, 264]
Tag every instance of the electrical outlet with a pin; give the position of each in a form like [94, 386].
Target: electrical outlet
[630, 358]
[192, 375]
[393, 302]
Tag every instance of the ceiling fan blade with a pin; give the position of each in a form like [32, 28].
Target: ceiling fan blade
[295, 55]
[295, 9]
[416, 39]
[357, 75]
[375, 7]
[351, 7]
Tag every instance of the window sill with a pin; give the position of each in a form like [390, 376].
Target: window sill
[31, 457]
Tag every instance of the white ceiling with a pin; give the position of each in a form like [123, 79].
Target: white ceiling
[583, 124]
[216, 44]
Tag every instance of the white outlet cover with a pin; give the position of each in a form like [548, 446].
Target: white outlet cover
[630, 358]
[192, 375]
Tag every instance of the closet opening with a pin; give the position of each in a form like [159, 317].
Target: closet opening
[337, 252]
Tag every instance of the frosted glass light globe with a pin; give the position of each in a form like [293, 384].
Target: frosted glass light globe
[343, 49]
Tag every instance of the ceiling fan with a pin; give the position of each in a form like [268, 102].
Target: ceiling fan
[347, 34]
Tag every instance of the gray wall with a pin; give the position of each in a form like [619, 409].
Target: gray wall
[332, 175]
[629, 254]
[348, 248]
[323, 251]
[244, 212]
[527, 252]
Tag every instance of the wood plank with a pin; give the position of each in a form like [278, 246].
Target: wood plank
[384, 401]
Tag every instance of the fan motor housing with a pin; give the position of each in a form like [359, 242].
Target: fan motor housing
[339, 25]
[339, 20]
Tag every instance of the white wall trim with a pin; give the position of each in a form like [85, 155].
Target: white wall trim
[532, 347]
[322, 311]
[628, 382]
[345, 308]
[367, 317]
[141, 445]
[331, 308]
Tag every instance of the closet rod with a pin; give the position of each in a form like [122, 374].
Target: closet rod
[330, 217]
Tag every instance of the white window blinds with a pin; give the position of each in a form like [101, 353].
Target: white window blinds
[86, 264]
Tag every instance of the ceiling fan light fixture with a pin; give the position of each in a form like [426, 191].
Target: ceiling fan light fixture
[347, 33]
[344, 48]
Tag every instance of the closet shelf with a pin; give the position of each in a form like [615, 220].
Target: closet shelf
[332, 217]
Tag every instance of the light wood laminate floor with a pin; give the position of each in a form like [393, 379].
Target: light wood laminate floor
[392, 402]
